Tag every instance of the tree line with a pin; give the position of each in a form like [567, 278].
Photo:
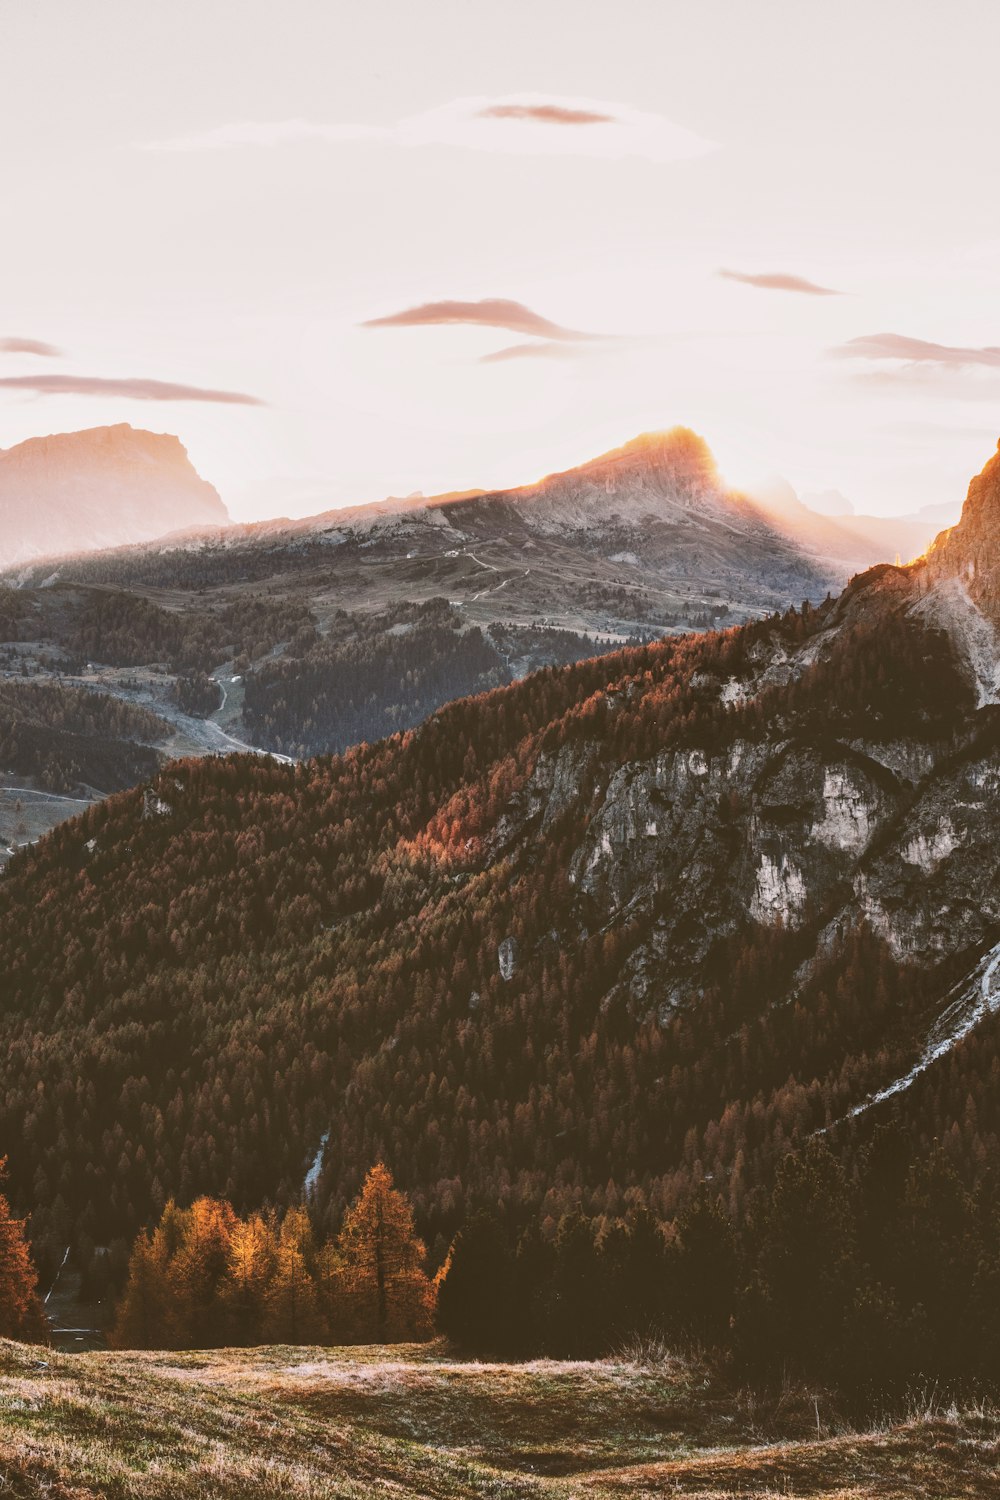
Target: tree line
[870, 1280]
[206, 1277]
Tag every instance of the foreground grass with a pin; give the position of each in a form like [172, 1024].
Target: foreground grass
[410, 1421]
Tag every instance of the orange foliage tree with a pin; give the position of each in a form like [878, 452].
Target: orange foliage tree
[384, 1292]
[206, 1277]
[21, 1314]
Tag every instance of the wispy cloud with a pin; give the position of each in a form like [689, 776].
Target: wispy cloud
[513, 123]
[546, 114]
[131, 389]
[545, 349]
[28, 346]
[780, 281]
[897, 346]
[490, 312]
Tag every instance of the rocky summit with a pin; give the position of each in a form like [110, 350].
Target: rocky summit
[103, 487]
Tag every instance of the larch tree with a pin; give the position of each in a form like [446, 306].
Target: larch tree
[388, 1296]
[21, 1313]
[292, 1311]
[143, 1313]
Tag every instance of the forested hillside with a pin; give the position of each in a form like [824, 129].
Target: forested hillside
[407, 948]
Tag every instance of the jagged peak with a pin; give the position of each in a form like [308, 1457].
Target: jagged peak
[973, 543]
[678, 449]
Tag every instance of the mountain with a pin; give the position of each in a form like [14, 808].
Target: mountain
[77, 491]
[646, 535]
[590, 937]
[847, 542]
[303, 637]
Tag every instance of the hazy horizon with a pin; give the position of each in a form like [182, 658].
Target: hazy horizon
[347, 255]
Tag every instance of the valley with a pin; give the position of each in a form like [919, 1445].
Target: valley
[303, 638]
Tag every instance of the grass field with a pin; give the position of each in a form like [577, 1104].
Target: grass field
[409, 1421]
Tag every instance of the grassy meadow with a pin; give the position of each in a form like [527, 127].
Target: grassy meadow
[305, 1423]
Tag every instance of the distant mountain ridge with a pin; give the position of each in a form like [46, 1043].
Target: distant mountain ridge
[102, 487]
[645, 535]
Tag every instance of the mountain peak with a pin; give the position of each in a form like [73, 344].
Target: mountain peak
[970, 550]
[100, 487]
[677, 451]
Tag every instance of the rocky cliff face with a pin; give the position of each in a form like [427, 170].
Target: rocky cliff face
[851, 780]
[969, 554]
[107, 486]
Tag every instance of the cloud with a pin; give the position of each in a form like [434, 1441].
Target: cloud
[135, 390]
[916, 351]
[520, 124]
[491, 312]
[546, 114]
[780, 281]
[545, 349]
[28, 346]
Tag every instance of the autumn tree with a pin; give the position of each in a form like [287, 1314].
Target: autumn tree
[386, 1294]
[253, 1259]
[143, 1312]
[21, 1314]
[292, 1303]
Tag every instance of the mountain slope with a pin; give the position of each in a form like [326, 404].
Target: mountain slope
[588, 936]
[77, 491]
[645, 536]
[322, 633]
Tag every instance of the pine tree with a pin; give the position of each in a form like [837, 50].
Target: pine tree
[807, 1264]
[253, 1260]
[198, 1275]
[476, 1287]
[706, 1269]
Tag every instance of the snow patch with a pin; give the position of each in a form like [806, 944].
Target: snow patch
[971, 1001]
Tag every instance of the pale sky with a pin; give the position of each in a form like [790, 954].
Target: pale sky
[214, 196]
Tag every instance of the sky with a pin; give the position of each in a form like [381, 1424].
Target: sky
[347, 250]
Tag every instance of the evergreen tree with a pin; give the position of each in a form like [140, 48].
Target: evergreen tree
[802, 1311]
[476, 1289]
[706, 1270]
